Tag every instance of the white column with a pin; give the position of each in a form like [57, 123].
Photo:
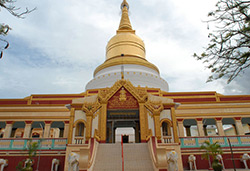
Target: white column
[200, 127]
[8, 129]
[239, 127]
[66, 129]
[47, 129]
[27, 129]
[219, 126]
[180, 127]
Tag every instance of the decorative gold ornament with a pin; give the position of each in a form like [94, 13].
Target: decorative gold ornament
[91, 108]
[123, 96]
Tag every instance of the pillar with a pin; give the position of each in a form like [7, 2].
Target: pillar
[66, 129]
[176, 137]
[72, 116]
[143, 122]
[8, 129]
[157, 126]
[239, 127]
[200, 127]
[88, 127]
[103, 122]
[137, 134]
[27, 129]
[180, 127]
[235, 130]
[46, 130]
[219, 126]
[188, 131]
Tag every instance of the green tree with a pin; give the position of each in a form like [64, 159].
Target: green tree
[228, 51]
[32, 150]
[9, 5]
[212, 150]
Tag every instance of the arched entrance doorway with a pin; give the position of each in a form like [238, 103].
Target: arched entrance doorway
[123, 119]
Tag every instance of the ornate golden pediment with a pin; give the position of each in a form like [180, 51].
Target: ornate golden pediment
[154, 107]
[91, 108]
[139, 94]
[122, 99]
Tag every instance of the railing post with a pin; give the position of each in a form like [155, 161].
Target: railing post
[11, 143]
[122, 153]
[53, 144]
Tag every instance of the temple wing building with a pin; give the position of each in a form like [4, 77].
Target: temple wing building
[126, 119]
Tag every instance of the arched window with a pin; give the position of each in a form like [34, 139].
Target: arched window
[165, 129]
[80, 129]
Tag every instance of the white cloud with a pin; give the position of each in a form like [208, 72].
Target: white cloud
[58, 46]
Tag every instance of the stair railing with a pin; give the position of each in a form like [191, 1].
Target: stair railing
[122, 153]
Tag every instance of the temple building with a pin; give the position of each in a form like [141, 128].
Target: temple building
[125, 120]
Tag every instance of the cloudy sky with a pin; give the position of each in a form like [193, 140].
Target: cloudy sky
[56, 48]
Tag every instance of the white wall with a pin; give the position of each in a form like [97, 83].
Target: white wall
[125, 131]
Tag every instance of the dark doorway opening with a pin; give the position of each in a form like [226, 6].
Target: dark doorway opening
[125, 138]
[123, 119]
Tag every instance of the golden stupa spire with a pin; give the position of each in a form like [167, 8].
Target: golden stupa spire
[124, 4]
[125, 24]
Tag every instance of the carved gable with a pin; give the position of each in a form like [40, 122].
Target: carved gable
[105, 95]
[122, 99]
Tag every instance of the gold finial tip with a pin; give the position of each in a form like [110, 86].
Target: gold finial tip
[124, 4]
[125, 22]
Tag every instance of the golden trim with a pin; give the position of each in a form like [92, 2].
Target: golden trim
[80, 120]
[58, 94]
[96, 135]
[154, 107]
[125, 60]
[116, 44]
[182, 107]
[91, 108]
[174, 121]
[103, 122]
[32, 105]
[88, 128]
[139, 95]
[35, 117]
[200, 92]
[157, 126]
[166, 120]
[209, 115]
[34, 110]
[143, 124]
[96, 113]
[55, 99]
[71, 125]
[217, 97]
[214, 102]
[190, 97]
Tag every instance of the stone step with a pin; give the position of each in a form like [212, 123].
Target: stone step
[136, 157]
[108, 158]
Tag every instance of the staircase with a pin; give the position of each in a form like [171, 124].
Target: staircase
[136, 157]
[108, 158]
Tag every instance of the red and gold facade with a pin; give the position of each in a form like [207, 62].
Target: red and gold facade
[91, 108]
